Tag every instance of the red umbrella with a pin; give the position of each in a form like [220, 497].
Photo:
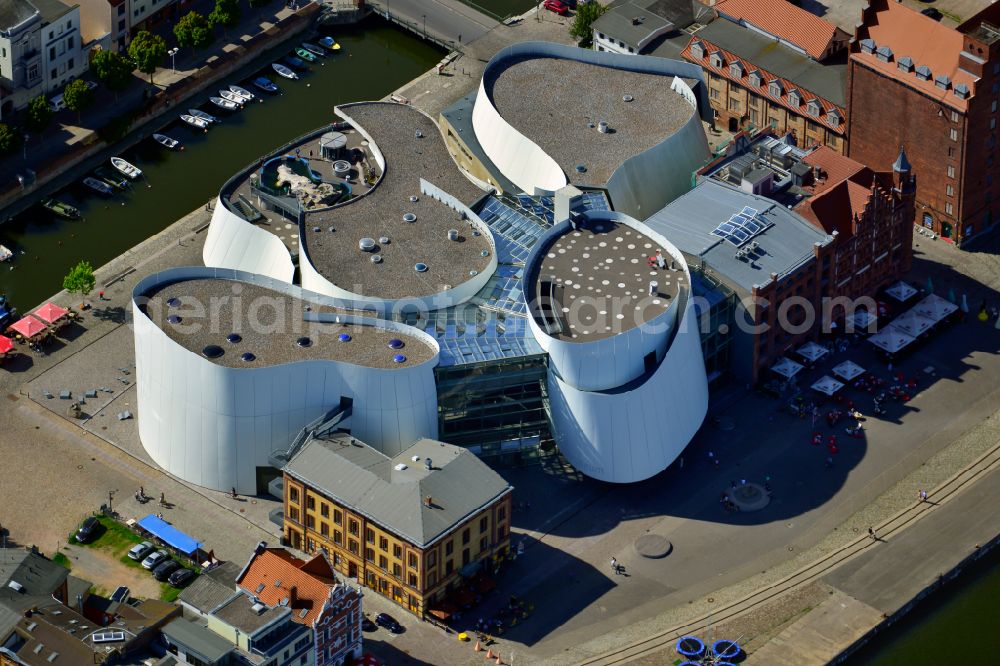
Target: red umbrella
[28, 326]
[50, 312]
[5, 345]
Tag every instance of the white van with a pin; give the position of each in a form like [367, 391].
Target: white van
[57, 104]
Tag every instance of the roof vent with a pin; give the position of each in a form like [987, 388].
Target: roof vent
[419, 134]
[396, 343]
[376, 258]
[384, 240]
[409, 217]
[258, 608]
[484, 253]
[415, 458]
[414, 198]
[884, 53]
[344, 337]
[627, 98]
[400, 467]
[428, 500]
[602, 126]
[366, 244]
[428, 464]
[638, 20]
[14, 585]
[453, 234]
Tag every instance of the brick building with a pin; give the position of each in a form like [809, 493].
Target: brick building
[916, 83]
[753, 81]
[314, 595]
[413, 527]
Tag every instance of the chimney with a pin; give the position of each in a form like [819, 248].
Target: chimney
[428, 464]
[261, 547]
[428, 501]
[293, 595]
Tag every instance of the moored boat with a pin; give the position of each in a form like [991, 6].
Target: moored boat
[207, 117]
[5, 253]
[305, 55]
[112, 178]
[296, 63]
[226, 104]
[98, 186]
[266, 84]
[167, 142]
[315, 50]
[242, 92]
[232, 97]
[194, 121]
[125, 168]
[284, 71]
[329, 43]
[61, 209]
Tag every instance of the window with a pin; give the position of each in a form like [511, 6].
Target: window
[465, 536]
[794, 99]
[466, 556]
[337, 518]
[774, 88]
[951, 151]
[954, 114]
[698, 50]
[352, 546]
[293, 495]
[431, 558]
[69, 42]
[397, 551]
[370, 554]
[755, 79]
[411, 560]
[411, 579]
[432, 579]
[324, 529]
[950, 191]
[713, 93]
[310, 502]
[324, 509]
[734, 104]
[53, 74]
[310, 523]
[953, 134]
[353, 527]
[736, 70]
[993, 123]
[449, 548]
[383, 543]
[483, 542]
[337, 538]
[951, 171]
[813, 108]
[949, 209]
[774, 122]
[383, 563]
[369, 535]
[483, 523]
[501, 513]
[449, 566]
[501, 531]
[716, 60]
[293, 514]
[397, 570]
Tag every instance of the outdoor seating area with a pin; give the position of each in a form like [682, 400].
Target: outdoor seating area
[918, 322]
[35, 329]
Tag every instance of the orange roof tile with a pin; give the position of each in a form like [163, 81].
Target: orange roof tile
[927, 42]
[837, 168]
[312, 580]
[784, 20]
[763, 90]
[840, 196]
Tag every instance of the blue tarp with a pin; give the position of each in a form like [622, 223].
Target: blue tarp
[169, 534]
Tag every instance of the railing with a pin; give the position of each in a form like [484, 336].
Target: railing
[382, 9]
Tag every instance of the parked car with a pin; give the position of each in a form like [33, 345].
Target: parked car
[367, 625]
[162, 571]
[180, 577]
[153, 560]
[930, 12]
[139, 551]
[387, 621]
[557, 7]
[88, 530]
[57, 103]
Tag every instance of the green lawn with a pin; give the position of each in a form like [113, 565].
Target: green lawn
[62, 560]
[116, 537]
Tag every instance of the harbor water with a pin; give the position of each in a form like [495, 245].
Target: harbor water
[375, 59]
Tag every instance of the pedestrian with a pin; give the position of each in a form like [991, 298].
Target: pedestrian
[234, 492]
[922, 495]
[614, 566]
[142, 491]
[163, 499]
[743, 482]
[829, 461]
[100, 295]
[871, 533]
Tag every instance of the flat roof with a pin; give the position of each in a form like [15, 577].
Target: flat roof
[688, 223]
[239, 613]
[197, 637]
[602, 273]
[336, 255]
[270, 324]
[553, 101]
[634, 20]
[375, 485]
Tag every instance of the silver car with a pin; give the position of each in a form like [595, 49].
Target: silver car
[154, 559]
[140, 550]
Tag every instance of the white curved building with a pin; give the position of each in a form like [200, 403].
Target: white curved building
[609, 300]
[549, 115]
[231, 367]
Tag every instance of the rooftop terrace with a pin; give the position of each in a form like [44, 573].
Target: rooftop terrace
[558, 104]
[600, 277]
[413, 150]
[269, 326]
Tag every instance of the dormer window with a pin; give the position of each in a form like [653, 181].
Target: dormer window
[755, 79]
[716, 59]
[924, 73]
[962, 91]
[942, 82]
[813, 108]
[833, 118]
[884, 53]
[794, 98]
[736, 70]
[698, 50]
[905, 63]
[867, 45]
[775, 89]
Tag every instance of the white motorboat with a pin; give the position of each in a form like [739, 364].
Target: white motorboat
[239, 100]
[284, 71]
[125, 168]
[194, 121]
[207, 117]
[167, 142]
[226, 104]
[242, 92]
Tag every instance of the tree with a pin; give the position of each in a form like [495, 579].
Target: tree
[78, 96]
[113, 69]
[10, 138]
[226, 13]
[586, 14]
[147, 51]
[80, 279]
[39, 113]
[193, 30]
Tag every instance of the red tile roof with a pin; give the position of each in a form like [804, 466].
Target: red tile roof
[840, 195]
[836, 167]
[927, 42]
[787, 86]
[783, 20]
[312, 581]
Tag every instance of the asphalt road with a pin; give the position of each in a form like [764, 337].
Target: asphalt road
[447, 20]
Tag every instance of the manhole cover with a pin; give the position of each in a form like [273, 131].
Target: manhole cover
[652, 546]
[749, 496]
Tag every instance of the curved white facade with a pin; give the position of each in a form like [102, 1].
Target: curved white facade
[213, 425]
[234, 243]
[613, 420]
[643, 183]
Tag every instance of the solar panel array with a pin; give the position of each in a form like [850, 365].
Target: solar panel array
[742, 226]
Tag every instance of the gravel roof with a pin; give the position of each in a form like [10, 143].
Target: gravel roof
[336, 255]
[269, 323]
[552, 100]
[602, 274]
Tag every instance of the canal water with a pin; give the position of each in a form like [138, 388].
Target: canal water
[959, 624]
[375, 59]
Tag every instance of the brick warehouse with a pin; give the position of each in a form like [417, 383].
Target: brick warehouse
[915, 83]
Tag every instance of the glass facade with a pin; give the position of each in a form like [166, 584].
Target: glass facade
[715, 304]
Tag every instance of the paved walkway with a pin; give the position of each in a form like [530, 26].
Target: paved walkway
[447, 21]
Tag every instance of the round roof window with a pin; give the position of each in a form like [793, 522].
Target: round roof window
[581, 168]
[366, 244]
[396, 343]
[234, 338]
[409, 217]
[344, 337]
[174, 319]
[420, 267]
[304, 342]
[213, 351]
[399, 358]
[485, 253]
[173, 302]
[246, 357]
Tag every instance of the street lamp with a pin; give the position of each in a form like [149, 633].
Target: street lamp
[25, 145]
[425, 26]
[173, 63]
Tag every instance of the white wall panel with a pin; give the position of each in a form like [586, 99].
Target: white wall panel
[232, 242]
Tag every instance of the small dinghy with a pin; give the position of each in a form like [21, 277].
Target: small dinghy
[125, 168]
[167, 142]
[207, 117]
[315, 50]
[284, 71]
[194, 121]
[98, 186]
[266, 84]
[242, 92]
